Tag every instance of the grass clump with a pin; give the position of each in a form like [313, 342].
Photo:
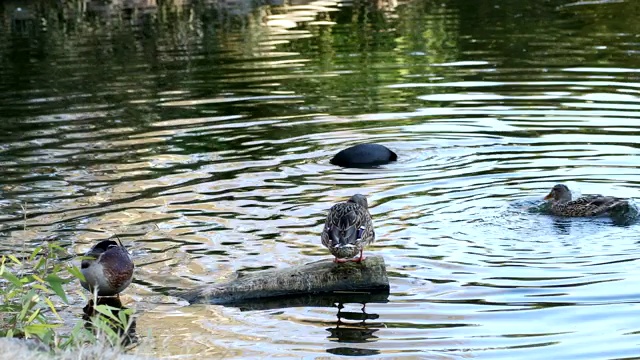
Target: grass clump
[31, 294]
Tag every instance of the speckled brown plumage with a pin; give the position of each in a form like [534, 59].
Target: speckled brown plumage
[348, 229]
[588, 205]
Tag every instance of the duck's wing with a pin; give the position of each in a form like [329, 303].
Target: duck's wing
[347, 224]
[594, 205]
[368, 235]
[117, 262]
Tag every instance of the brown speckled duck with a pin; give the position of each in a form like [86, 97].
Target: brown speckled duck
[588, 205]
[107, 267]
[348, 229]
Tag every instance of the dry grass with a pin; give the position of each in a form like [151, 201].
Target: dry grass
[13, 349]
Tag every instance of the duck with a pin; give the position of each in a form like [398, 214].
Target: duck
[348, 229]
[108, 268]
[364, 156]
[585, 206]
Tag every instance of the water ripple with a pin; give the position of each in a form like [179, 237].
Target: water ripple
[205, 147]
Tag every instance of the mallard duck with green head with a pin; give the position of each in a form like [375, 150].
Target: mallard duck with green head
[107, 268]
[588, 205]
[348, 229]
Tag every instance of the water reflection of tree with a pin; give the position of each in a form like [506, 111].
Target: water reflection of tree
[338, 59]
[170, 38]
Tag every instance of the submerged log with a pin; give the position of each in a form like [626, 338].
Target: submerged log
[324, 300]
[321, 277]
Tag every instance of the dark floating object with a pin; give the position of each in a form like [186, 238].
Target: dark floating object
[320, 277]
[364, 155]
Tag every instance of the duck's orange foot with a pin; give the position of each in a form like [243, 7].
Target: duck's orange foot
[359, 259]
[340, 261]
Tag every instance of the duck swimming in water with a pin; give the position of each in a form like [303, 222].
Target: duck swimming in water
[364, 156]
[348, 229]
[588, 205]
[108, 268]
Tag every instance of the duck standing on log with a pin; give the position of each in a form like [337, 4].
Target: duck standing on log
[348, 229]
[108, 268]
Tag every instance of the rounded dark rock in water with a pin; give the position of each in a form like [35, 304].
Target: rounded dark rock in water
[364, 155]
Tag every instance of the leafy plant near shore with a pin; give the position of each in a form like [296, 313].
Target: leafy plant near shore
[31, 293]
[26, 295]
[28, 304]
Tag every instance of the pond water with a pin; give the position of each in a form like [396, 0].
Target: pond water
[201, 136]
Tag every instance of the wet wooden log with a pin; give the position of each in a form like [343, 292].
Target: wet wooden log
[325, 300]
[321, 277]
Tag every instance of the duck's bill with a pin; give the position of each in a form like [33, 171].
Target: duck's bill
[549, 196]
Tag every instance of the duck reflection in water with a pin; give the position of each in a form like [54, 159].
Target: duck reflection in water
[350, 332]
[125, 327]
[562, 226]
[351, 326]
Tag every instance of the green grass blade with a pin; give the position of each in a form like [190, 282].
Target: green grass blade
[55, 282]
[12, 278]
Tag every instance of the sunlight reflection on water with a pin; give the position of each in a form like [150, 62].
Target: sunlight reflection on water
[212, 156]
